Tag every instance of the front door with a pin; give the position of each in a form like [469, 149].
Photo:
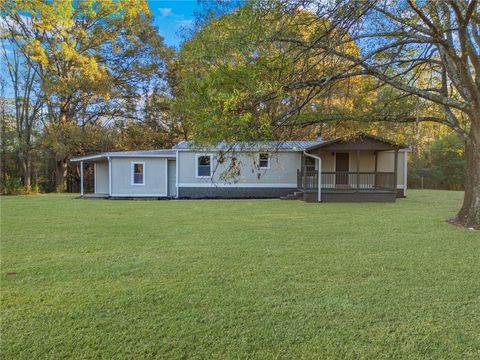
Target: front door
[342, 165]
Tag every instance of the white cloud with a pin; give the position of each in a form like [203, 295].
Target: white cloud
[186, 23]
[165, 11]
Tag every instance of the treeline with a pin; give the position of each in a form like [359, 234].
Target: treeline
[33, 170]
[79, 77]
[97, 77]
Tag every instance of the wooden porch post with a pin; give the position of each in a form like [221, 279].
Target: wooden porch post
[110, 175]
[319, 172]
[395, 170]
[358, 169]
[304, 178]
[376, 170]
[81, 178]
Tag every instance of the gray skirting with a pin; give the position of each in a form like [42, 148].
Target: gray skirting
[232, 192]
[354, 196]
[359, 196]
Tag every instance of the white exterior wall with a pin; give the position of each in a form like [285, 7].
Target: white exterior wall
[328, 161]
[367, 161]
[101, 177]
[281, 174]
[386, 162]
[155, 177]
[282, 171]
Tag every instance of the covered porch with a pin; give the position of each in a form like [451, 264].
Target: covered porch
[97, 184]
[362, 169]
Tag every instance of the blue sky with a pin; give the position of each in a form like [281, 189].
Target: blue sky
[171, 16]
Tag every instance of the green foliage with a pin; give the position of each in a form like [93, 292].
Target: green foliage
[14, 186]
[238, 279]
[96, 60]
[84, 48]
[231, 77]
[442, 164]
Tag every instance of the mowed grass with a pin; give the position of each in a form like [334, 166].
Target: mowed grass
[223, 279]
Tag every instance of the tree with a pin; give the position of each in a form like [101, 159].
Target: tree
[445, 161]
[93, 58]
[426, 51]
[28, 102]
[229, 78]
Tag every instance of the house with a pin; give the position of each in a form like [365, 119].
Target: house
[363, 168]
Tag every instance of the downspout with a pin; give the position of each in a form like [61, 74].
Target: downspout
[109, 176]
[94, 177]
[177, 172]
[81, 178]
[319, 159]
[405, 169]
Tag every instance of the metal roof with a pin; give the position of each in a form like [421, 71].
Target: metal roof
[296, 145]
[143, 153]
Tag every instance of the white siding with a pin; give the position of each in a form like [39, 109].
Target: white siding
[172, 178]
[282, 171]
[386, 162]
[101, 177]
[155, 173]
[328, 161]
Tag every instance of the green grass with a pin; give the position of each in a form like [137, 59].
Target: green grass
[238, 279]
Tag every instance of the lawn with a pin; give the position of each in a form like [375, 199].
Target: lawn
[238, 279]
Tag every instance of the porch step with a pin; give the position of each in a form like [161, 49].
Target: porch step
[295, 196]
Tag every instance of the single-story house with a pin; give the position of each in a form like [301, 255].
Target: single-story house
[363, 168]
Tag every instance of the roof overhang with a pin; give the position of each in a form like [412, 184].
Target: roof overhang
[102, 157]
[98, 157]
[359, 142]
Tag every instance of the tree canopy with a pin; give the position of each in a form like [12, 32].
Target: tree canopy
[232, 77]
[417, 61]
[93, 60]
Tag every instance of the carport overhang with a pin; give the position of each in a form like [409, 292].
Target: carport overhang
[90, 158]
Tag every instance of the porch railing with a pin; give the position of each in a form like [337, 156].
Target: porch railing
[308, 182]
[361, 180]
[346, 180]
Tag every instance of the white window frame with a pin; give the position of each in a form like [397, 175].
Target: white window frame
[197, 156]
[132, 167]
[269, 158]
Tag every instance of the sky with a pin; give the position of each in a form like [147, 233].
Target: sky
[171, 16]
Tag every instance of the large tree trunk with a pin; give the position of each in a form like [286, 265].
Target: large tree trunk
[61, 164]
[60, 175]
[26, 172]
[469, 214]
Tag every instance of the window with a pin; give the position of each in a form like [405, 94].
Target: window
[204, 166]
[264, 161]
[138, 173]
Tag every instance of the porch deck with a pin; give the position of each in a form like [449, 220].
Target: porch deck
[344, 186]
[356, 169]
